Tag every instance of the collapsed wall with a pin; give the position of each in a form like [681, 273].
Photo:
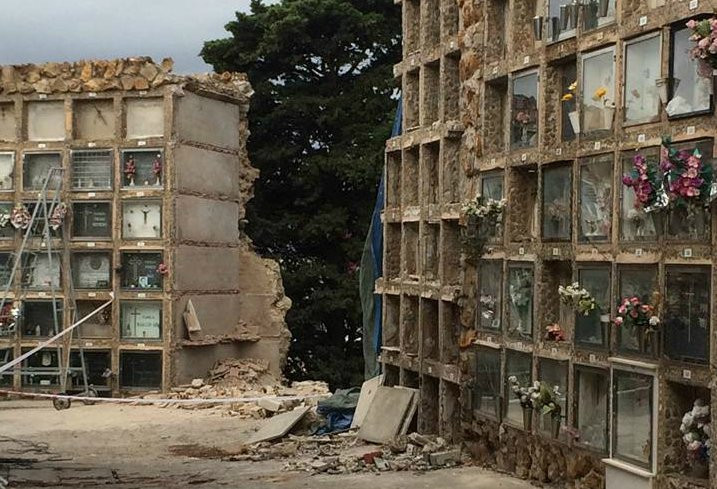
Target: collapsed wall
[158, 162]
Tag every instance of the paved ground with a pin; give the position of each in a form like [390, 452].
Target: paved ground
[128, 447]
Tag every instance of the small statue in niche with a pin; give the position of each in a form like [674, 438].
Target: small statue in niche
[130, 170]
[157, 169]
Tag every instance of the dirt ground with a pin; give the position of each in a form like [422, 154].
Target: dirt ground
[144, 446]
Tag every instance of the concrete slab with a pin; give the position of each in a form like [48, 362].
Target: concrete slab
[278, 426]
[368, 392]
[411, 413]
[386, 414]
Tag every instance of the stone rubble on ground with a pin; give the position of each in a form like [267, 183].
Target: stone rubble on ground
[345, 453]
[249, 378]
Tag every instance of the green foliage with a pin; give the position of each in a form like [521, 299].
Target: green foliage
[322, 110]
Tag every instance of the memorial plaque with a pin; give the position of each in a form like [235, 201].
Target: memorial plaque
[141, 220]
[139, 270]
[91, 270]
[91, 220]
[141, 320]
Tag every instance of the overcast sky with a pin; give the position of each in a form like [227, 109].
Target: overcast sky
[36, 31]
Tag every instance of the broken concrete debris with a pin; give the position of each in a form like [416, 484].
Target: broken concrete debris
[386, 416]
[279, 425]
[250, 378]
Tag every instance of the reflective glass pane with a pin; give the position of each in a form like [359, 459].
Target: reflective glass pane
[596, 198]
[642, 70]
[632, 398]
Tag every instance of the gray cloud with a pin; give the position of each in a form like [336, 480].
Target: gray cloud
[36, 31]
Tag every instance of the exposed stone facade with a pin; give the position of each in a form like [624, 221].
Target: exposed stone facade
[568, 218]
[184, 203]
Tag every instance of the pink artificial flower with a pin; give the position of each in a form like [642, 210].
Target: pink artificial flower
[622, 309]
[703, 43]
[634, 300]
[627, 180]
[618, 321]
[691, 24]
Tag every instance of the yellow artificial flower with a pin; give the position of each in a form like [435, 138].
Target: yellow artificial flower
[573, 86]
[600, 93]
[567, 97]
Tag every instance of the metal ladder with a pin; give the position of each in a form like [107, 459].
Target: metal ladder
[42, 212]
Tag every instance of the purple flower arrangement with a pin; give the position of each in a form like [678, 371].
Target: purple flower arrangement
[687, 178]
[644, 180]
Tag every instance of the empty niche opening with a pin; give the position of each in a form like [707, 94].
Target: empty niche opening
[410, 379]
[429, 93]
[142, 168]
[46, 121]
[679, 400]
[94, 119]
[140, 369]
[141, 320]
[392, 251]
[450, 411]
[8, 126]
[141, 270]
[430, 251]
[409, 325]
[97, 364]
[495, 104]
[410, 250]
[429, 328]
[451, 170]
[6, 356]
[430, 154]
[555, 273]
[450, 332]
[412, 25]
[430, 24]
[428, 408]
[391, 374]
[411, 100]
[141, 219]
[7, 170]
[40, 270]
[451, 253]
[41, 369]
[91, 220]
[391, 321]
[36, 169]
[410, 171]
[393, 177]
[38, 318]
[92, 170]
[91, 270]
[145, 118]
[522, 194]
[450, 88]
[97, 326]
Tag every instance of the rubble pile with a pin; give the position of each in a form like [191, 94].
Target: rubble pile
[341, 454]
[250, 378]
[140, 73]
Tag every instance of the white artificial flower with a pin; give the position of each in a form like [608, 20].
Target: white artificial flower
[654, 321]
[694, 446]
[512, 379]
[707, 429]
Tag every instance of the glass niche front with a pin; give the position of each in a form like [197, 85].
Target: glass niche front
[91, 270]
[37, 168]
[92, 220]
[142, 168]
[595, 209]
[524, 111]
[141, 320]
[140, 270]
[141, 220]
[520, 295]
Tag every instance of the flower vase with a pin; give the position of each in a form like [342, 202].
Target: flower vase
[699, 469]
[714, 81]
[159, 181]
[574, 121]
[608, 113]
[524, 134]
[527, 418]
[603, 7]
[131, 181]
